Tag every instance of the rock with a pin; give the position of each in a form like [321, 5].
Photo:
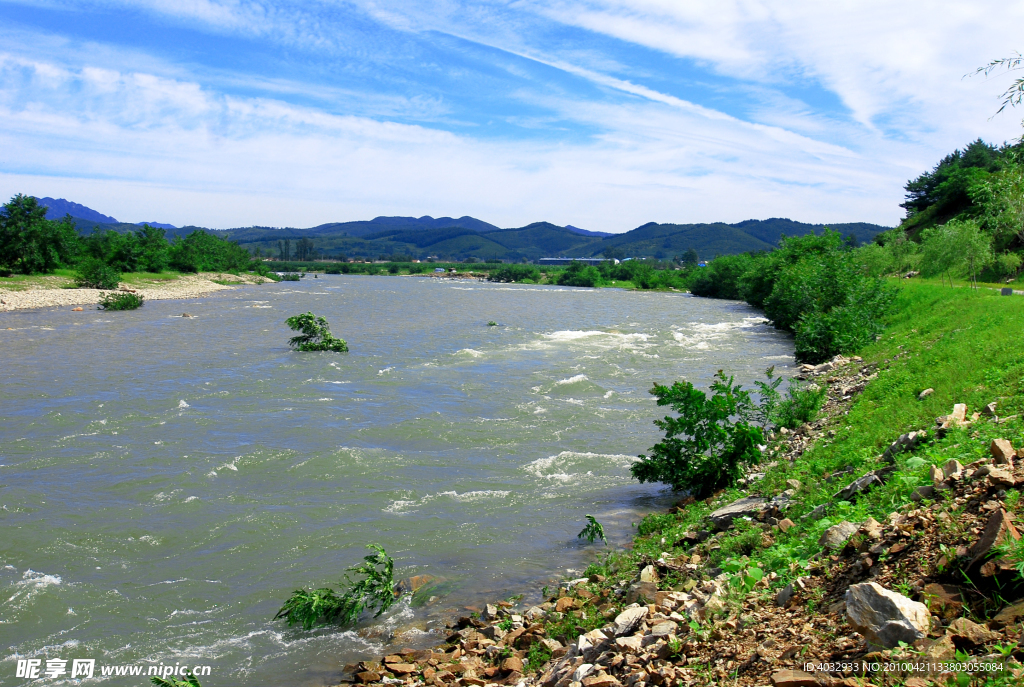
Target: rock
[997, 529]
[884, 617]
[600, 680]
[368, 676]
[925, 491]
[857, 486]
[793, 678]
[936, 476]
[785, 524]
[641, 590]
[649, 574]
[834, 537]
[817, 513]
[793, 484]
[967, 634]
[566, 603]
[941, 649]
[401, 668]
[786, 593]
[630, 619]
[747, 506]
[1002, 451]
[925, 394]
[905, 442]
[952, 469]
[512, 663]
[989, 410]
[1000, 478]
[871, 528]
[79, 309]
[632, 643]
[490, 612]
[582, 672]
[943, 600]
[1009, 616]
[664, 628]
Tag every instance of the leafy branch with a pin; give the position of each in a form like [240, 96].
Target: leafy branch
[375, 590]
[594, 530]
[1013, 95]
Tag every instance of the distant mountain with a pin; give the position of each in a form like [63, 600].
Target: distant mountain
[156, 225]
[56, 208]
[584, 232]
[468, 237]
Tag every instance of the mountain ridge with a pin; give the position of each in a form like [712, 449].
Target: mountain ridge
[468, 237]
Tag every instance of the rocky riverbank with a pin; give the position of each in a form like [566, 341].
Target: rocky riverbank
[917, 597]
[187, 286]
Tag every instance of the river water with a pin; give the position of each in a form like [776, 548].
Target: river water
[166, 482]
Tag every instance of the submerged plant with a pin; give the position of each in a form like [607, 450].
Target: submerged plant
[316, 334]
[189, 680]
[375, 590]
[593, 530]
[122, 300]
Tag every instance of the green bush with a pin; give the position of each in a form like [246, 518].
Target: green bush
[721, 278]
[93, 273]
[31, 243]
[290, 277]
[578, 274]
[801, 405]
[120, 300]
[376, 590]
[316, 334]
[515, 273]
[704, 448]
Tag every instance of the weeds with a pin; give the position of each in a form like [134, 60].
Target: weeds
[120, 300]
[594, 530]
[189, 680]
[375, 590]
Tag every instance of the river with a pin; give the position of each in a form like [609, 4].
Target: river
[166, 482]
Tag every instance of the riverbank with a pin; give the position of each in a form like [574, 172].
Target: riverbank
[55, 292]
[869, 546]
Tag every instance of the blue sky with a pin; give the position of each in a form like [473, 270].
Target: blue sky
[604, 114]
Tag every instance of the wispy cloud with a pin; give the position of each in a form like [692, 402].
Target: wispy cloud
[572, 111]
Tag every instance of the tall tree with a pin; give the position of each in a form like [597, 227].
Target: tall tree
[31, 243]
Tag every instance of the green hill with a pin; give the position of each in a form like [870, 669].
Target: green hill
[467, 237]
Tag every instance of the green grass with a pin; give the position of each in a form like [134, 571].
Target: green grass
[961, 343]
[58, 279]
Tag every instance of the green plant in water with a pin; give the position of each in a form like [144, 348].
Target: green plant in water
[290, 277]
[121, 300]
[706, 447]
[375, 590]
[492, 323]
[593, 530]
[316, 334]
[189, 680]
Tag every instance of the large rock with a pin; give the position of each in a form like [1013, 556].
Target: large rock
[859, 485]
[1008, 616]
[968, 634]
[630, 619]
[646, 591]
[884, 617]
[997, 529]
[1002, 451]
[748, 506]
[943, 600]
[834, 537]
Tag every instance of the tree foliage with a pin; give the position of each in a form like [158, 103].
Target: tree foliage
[29, 242]
[316, 334]
[707, 445]
[376, 589]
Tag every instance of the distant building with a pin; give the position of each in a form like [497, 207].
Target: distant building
[566, 261]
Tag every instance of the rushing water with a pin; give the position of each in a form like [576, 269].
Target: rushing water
[166, 482]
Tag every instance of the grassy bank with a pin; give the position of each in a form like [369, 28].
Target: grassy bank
[960, 343]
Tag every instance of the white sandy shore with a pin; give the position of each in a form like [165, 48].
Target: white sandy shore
[189, 286]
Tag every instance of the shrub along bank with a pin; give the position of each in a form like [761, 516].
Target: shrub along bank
[873, 535]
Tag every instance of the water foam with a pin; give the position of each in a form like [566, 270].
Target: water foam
[401, 505]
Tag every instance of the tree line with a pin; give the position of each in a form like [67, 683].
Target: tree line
[30, 243]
